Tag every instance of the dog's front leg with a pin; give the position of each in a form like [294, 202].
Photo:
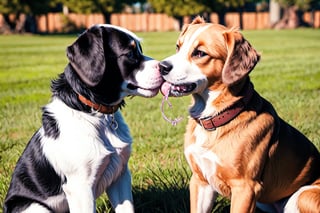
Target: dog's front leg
[79, 195]
[202, 196]
[243, 199]
[120, 194]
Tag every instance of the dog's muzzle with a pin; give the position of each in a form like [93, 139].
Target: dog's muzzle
[165, 67]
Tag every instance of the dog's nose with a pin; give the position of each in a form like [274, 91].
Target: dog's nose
[165, 67]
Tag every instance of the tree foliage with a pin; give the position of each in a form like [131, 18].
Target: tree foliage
[24, 12]
[191, 7]
[106, 7]
[178, 8]
[220, 4]
[33, 7]
[300, 4]
[9, 6]
[95, 6]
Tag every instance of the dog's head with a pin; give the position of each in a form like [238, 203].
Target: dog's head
[208, 56]
[108, 61]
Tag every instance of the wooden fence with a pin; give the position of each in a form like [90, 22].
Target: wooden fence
[145, 22]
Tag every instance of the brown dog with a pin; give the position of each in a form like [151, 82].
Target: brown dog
[236, 144]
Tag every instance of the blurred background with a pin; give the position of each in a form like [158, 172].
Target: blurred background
[70, 16]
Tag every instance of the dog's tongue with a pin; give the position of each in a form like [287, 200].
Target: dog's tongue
[165, 89]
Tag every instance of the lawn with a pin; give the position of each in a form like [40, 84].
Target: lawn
[288, 75]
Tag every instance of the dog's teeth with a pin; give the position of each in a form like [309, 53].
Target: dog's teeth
[184, 88]
[180, 88]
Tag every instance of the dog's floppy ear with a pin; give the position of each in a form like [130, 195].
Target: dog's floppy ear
[86, 56]
[241, 57]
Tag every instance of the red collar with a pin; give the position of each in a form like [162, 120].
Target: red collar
[99, 107]
[210, 123]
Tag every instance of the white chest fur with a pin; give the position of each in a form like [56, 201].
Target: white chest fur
[86, 144]
[205, 159]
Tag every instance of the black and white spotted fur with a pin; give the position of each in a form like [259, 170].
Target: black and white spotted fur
[79, 152]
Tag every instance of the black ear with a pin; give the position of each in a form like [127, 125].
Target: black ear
[86, 56]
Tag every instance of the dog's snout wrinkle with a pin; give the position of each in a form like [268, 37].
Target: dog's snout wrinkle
[165, 67]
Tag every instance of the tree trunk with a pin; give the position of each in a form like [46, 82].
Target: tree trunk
[30, 25]
[13, 24]
[275, 12]
[180, 21]
[5, 28]
[241, 9]
[291, 19]
[107, 17]
[221, 16]
[21, 24]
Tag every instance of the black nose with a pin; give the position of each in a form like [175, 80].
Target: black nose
[165, 67]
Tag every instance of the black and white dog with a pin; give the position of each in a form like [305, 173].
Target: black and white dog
[83, 146]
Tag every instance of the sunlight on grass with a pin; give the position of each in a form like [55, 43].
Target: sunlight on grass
[288, 75]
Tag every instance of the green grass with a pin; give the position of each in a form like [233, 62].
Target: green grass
[288, 75]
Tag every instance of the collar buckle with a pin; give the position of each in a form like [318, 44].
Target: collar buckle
[207, 123]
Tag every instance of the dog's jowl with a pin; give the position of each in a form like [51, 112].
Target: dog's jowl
[235, 143]
[83, 146]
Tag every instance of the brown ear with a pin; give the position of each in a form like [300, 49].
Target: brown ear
[198, 20]
[241, 57]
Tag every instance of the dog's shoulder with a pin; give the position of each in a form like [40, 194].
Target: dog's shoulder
[33, 159]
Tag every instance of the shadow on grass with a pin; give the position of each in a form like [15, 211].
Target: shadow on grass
[155, 200]
[168, 192]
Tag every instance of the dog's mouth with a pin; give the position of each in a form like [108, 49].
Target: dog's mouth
[132, 87]
[148, 92]
[168, 89]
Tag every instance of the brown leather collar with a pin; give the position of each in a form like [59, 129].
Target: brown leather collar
[99, 107]
[210, 123]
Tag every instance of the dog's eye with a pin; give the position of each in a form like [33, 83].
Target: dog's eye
[130, 54]
[198, 53]
[133, 56]
[177, 48]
